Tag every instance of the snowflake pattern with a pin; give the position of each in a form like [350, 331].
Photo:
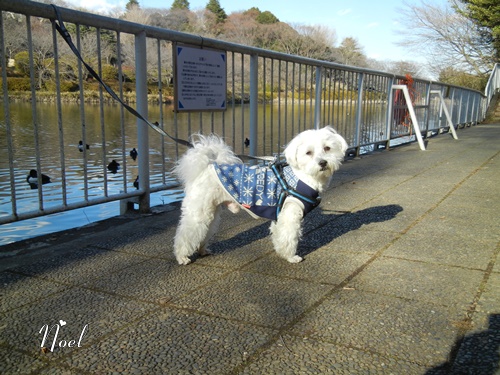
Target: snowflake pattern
[253, 185]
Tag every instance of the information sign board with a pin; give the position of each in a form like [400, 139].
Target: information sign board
[200, 79]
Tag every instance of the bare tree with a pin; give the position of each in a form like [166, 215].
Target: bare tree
[15, 39]
[203, 22]
[43, 51]
[446, 37]
[406, 67]
[314, 41]
[240, 27]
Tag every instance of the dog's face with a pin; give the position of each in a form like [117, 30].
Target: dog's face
[316, 153]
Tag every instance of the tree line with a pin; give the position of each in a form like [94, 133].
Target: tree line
[461, 40]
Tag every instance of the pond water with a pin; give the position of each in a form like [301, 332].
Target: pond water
[58, 150]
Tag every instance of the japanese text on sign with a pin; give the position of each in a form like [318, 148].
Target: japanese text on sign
[200, 83]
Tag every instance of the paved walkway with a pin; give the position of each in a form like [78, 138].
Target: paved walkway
[401, 276]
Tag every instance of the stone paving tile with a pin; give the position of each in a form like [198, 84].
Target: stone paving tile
[145, 241]
[469, 202]
[460, 228]
[412, 207]
[250, 233]
[325, 266]
[378, 182]
[408, 213]
[230, 221]
[362, 240]
[490, 300]
[322, 215]
[80, 266]
[226, 256]
[292, 355]
[255, 298]
[18, 290]
[468, 253]
[479, 185]
[13, 362]
[77, 307]
[351, 222]
[479, 352]
[156, 281]
[469, 209]
[57, 369]
[169, 217]
[414, 229]
[432, 178]
[391, 327]
[424, 282]
[346, 199]
[496, 266]
[484, 222]
[173, 342]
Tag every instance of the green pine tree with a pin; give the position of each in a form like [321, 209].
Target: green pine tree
[486, 14]
[180, 4]
[267, 18]
[132, 4]
[214, 7]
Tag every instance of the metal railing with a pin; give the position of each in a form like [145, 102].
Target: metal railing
[282, 95]
[493, 85]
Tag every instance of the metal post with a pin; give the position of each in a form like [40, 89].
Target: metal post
[447, 114]
[413, 117]
[253, 104]
[142, 128]
[428, 107]
[359, 112]
[389, 119]
[459, 116]
[317, 100]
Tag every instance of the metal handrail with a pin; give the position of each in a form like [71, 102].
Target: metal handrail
[335, 93]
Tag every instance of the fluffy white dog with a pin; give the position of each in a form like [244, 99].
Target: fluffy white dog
[213, 176]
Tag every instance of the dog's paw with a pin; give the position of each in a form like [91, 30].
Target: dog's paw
[295, 259]
[183, 260]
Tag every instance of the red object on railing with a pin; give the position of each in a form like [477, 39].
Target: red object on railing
[402, 115]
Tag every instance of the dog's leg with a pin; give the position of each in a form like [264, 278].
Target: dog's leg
[286, 232]
[192, 232]
[212, 229]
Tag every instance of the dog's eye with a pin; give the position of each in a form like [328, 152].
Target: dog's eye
[309, 153]
[327, 148]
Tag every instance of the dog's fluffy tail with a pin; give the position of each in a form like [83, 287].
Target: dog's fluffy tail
[205, 151]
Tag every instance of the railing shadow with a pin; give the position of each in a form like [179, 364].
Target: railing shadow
[477, 353]
[321, 230]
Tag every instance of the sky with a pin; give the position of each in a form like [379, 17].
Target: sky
[375, 25]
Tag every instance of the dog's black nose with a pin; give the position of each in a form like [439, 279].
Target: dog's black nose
[323, 163]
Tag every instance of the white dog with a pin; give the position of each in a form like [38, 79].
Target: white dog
[213, 176]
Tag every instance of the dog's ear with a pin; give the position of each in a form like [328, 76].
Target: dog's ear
[343, 146]
[330, 128]
[291, 151]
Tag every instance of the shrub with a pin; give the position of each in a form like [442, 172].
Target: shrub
[17, 84]
[109, 73]
[66, 86]
[128, 73]
[22, 63]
